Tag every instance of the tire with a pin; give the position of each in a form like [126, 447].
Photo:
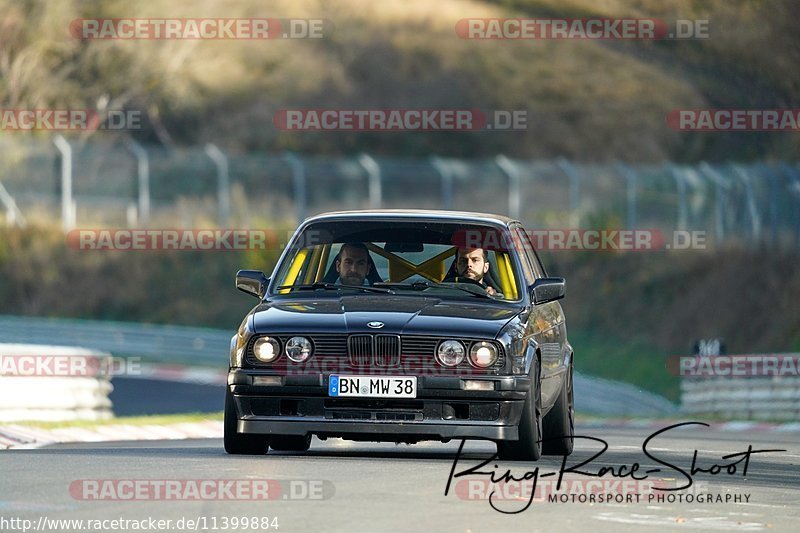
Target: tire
[559, 424]
[236, 443]
[529, 445]
[290, 443]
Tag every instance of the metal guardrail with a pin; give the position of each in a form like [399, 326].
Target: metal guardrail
[604, 397]
[749, 398]
[178, 344]
[210, 347]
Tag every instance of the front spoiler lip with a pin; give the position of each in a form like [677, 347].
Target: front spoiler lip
[319, 424]
[378, 430]
[508, 388]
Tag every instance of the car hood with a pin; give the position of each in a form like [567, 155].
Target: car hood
[400, 314]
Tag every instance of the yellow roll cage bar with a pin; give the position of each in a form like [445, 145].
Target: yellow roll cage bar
[316, 260]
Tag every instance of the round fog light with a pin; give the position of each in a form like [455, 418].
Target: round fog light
[450, 353]
[266, 349]
[483, 354]
[298, 349]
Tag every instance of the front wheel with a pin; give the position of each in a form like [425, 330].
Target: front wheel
[236, 443]
[529, 445]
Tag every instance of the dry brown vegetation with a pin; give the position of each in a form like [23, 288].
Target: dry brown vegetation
[588, 100]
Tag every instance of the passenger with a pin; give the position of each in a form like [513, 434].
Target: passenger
[473, 263]
[353, 264]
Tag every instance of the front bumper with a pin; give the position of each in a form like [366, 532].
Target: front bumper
[442, 410]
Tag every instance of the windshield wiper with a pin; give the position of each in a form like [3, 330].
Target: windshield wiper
[335, 287]
[421, 285]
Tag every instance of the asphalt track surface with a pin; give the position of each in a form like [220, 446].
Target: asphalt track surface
[358, 486]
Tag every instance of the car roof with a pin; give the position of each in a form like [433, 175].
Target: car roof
[411, 214]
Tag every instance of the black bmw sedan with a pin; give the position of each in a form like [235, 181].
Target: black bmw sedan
[402, 325]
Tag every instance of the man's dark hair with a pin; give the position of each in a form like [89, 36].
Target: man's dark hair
[354, 245]
[468, 250]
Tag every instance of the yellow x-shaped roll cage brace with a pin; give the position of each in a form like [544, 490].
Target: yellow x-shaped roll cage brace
[400, 269]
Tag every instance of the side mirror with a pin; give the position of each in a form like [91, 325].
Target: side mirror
[252, 282]
[546, 290]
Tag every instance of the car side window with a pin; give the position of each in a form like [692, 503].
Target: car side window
[529, 253]
[532, 255]
[524, 259]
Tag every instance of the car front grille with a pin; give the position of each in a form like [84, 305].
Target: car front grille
[379, 350]
[411, 353]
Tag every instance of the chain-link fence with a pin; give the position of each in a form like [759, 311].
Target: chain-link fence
[105, 183]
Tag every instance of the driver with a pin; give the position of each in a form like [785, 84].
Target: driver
[473, 263]
[353, 264]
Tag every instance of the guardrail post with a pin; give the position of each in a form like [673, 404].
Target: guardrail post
[299, 183]
[374, 176]
[446, 174]
[511, 170]
[67, 203]
[223, 183]
[143, 181]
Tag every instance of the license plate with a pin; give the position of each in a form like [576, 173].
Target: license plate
[373, 387]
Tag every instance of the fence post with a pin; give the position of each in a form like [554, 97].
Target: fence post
[752, 209]
[794, 189]
[511, 170]
[299, 183]
[447, 181]
[680, 185]
[13, 214]
[631, 182]
[223, 183]
[721, 187]
[574, 190]
[774, 199]
[143, 181]
[374, 176]
[67, 203]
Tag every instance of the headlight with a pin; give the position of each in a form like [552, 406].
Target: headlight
[266, 349]
[450, 353]
[298, 349]
[482, 354]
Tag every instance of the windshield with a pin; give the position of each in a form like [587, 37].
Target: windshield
[399, 257]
